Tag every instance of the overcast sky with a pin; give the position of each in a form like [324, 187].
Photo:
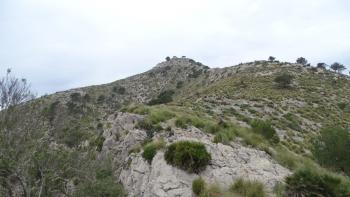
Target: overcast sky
[62, 44]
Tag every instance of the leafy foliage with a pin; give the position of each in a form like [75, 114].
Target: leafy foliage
[284, 80]
[265, 129]
[306, 182]
[332, 149]
[188, 155]
[322, 65]
[271, 59]
[337, 67]
[119, 89]
[164, 97]
[302, 61]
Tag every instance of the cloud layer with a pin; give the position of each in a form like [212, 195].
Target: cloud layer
[69, 43]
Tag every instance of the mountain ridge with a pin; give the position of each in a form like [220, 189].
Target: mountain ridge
[252, 127]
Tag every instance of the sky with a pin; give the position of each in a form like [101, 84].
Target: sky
[62, 44]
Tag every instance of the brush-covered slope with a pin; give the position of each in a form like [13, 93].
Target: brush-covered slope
[114, 139]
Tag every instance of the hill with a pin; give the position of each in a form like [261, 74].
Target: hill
[122, 138]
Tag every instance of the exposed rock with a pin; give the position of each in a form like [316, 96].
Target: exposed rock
[228, 164]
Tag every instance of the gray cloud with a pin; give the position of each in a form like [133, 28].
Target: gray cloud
[69, 43]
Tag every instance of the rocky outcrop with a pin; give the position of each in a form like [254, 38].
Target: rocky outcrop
[229, 162]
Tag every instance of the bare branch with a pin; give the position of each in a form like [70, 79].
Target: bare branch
[13, 91]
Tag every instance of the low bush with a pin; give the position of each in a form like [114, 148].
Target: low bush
[164, 97]
[179, 84]
[151, 123]
[198, 186]
[150, 150]
[101, 99]
[342, 105]
[72, 137]
[119, 89]
[248, 188]
[75, 97]
[99, 143]
[265, 129]
[307, 182]
[284, 80]
[188, 155]
[332, 149]
[201, 123]
[104, 184]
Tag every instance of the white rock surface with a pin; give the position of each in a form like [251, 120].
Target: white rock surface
[228, 164]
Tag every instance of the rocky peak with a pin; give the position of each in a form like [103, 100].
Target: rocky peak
[182, 62]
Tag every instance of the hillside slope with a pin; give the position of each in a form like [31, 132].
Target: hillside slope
[93, 141]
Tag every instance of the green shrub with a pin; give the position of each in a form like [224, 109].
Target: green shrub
[179, 84]
[101, 99]
[119, 89]
[148, 127]
[164, 97]
[284, 80]
[306, 182]
[99, 143]
[151, 122]
[150, 150]
[75, 97]
[265, 129]
[188, 155]
[342, 105]
[248, 188]
[104, 184]
[72, 137]
[332, 149]
[50, 112]
[198, 186]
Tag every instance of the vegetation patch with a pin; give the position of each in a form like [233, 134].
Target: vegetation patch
[99, 143]
[198, 186]
[307, 182]
[248, 188]
[150, 150]
[265, 129]
[284, 80]
[188, 155]
[164, 97]
[332, 149]
[119, 89]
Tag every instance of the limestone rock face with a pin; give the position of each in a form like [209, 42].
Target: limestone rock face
[229, 162]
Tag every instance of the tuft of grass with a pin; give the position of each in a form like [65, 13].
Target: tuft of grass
[136, 109]
[248, 188]
[198, 186]
[265, 129]
[212, 190]
[225, 136]
[150, 149]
